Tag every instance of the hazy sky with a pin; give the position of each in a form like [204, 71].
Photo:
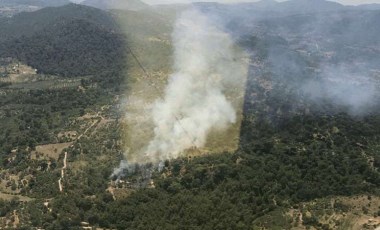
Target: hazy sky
[346, 2]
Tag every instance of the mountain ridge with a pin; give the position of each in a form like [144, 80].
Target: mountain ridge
[31, 22]
[71, 40]
[133, 5]
[40, 3]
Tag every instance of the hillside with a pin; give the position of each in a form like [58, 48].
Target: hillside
[38, 3]
[72, 40]
[9, 8]
[26, 24]
[369, 7]
[308, 6]
[116, 4]
[294, 6]
[77, 85]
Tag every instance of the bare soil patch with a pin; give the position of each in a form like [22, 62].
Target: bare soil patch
[50, 150]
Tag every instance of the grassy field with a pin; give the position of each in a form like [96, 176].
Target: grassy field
[50, 151]
[6, 196]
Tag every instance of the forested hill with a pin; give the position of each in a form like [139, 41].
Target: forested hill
[309, 143]
[40, 3]
[71, 40]
[28, 23]
[116, 4]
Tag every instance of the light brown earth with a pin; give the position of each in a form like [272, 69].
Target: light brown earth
[6, 196]
[359, 213]
[50, 150]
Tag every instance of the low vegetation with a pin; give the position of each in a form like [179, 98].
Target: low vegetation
[300, 164]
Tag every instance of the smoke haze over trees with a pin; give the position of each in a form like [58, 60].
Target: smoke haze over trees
[310, 130]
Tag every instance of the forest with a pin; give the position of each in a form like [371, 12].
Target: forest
[65, 45]
[294, 147]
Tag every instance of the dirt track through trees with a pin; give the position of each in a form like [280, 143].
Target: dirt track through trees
[62, 173]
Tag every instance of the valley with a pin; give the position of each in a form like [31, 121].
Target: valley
[76, 98]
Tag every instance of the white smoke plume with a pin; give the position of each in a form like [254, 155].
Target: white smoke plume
[195, 101]
[206, 64]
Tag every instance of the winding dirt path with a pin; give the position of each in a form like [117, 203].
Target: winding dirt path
[62, 173]
[16, 221]
[92, 125]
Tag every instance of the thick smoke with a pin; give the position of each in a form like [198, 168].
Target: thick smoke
[194, 102]
[206, 64]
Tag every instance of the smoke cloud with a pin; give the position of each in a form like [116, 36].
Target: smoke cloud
[342, 86]
[194, 102]
[325, 62]
[206, 64]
